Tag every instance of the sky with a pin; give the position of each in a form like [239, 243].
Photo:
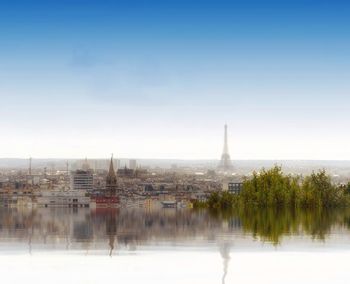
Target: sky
[159, 79]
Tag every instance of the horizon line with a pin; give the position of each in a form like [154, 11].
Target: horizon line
[164, 159]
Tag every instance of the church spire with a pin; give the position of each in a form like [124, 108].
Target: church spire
[111, 180]
[111, 172]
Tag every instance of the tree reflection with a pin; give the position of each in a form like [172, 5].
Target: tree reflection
[271, 224]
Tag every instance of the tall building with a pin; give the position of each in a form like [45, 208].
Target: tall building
[132, 164]
[82, 180]
[225, 162]
[111, 180]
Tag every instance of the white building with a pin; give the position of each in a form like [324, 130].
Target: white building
[59, 198]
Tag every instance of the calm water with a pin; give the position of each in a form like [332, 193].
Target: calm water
[174, 246]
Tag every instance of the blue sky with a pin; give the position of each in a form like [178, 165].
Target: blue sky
[158, 79]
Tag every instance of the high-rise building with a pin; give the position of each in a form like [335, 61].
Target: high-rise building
[225, 162]
[132, 164]
[82, 180]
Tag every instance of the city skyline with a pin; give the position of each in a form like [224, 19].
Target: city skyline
[174, 141]
[159, 79]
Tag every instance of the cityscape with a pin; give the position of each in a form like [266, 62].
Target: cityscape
[116, 183]
[99, 183]
[174, 141]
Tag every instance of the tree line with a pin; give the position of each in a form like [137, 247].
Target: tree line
[273, 188]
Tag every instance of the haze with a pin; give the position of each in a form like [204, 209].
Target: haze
[160, 79]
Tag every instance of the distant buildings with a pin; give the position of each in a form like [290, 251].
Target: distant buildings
[107, 186]
[125, 172]
[232, 186]
[132, 164]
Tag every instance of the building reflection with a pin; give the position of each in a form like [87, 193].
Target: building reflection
[72, 228]
[225, 254]
[111, 227]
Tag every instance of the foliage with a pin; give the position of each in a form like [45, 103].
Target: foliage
[272, 223]
[347, 188]
[272, 188]
[223, 200]
[199, 204]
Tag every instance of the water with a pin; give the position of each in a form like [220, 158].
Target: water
[64, 245]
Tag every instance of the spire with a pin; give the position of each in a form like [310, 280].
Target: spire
[111, 180]
[111, 172]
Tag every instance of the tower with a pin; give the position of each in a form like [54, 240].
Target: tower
[111, 180]
[225, 163]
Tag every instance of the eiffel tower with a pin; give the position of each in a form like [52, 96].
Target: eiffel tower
[225, 163]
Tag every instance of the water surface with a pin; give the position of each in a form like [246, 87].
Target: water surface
[61, 245]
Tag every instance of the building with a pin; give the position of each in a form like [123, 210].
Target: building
[58, 198]
[82, 180]
[125, 172]
[235, 187]
[132, 164]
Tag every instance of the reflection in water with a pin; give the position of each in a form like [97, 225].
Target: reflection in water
[73, 228]
[271, 224]
[107, 231]
[111, 228]
[225, 254]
